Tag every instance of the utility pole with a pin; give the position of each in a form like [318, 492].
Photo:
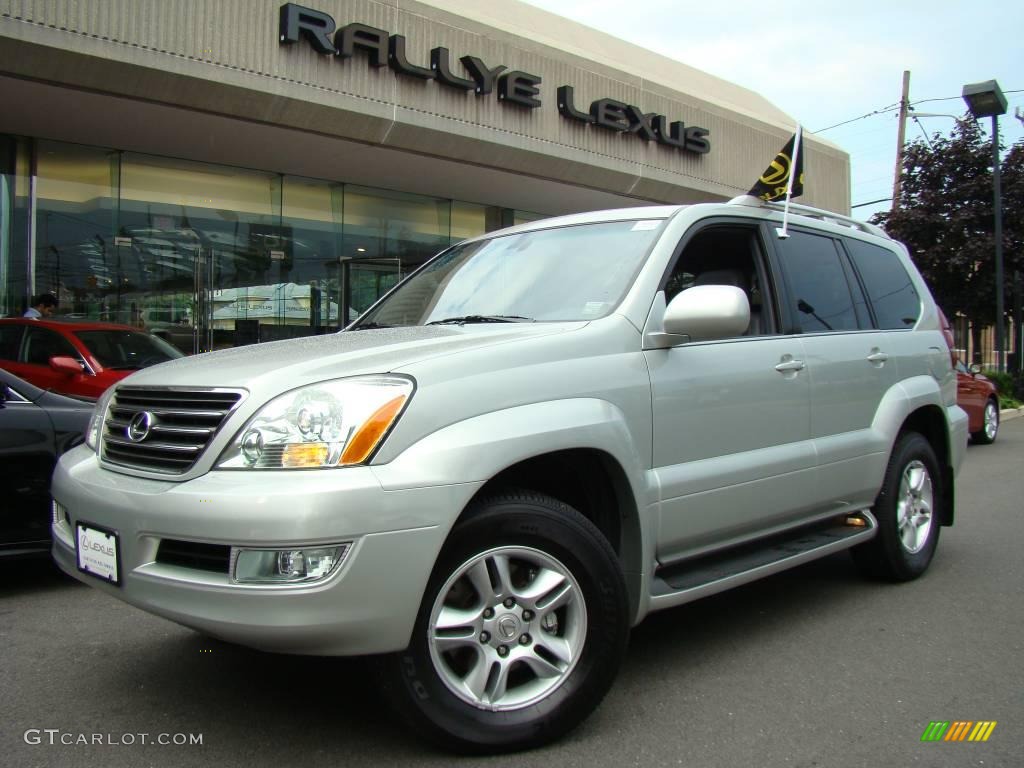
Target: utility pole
[901, 137]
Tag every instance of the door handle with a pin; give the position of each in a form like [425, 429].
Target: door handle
[790, 365]
[877, 357]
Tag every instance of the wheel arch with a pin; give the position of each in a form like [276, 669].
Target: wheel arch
[595, 484]
[930, 422]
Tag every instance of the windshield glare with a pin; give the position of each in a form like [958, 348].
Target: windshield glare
[127, 349]
[563, 274]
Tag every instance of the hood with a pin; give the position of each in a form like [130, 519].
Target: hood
[284, 365]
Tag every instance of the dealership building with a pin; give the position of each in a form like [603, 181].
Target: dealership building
[251, 169]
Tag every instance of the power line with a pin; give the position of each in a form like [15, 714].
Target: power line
[871, 202]
[894, 107]
[882, 111]
[924, 133]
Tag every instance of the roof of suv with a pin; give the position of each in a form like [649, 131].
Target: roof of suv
[796, 211]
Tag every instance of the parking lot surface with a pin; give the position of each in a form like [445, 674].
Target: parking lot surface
[814, 667]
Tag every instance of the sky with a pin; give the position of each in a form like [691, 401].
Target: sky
[827, 62]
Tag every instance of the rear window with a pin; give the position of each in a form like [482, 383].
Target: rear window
[888, 285]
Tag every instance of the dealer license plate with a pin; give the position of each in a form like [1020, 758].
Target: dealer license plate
[98, 553]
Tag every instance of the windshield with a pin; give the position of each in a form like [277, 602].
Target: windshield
[563, 274]
[126, 350]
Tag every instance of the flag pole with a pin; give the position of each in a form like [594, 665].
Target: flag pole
[783, 233]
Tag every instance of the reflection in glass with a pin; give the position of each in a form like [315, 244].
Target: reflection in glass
[565, 273]
[127, 350]
[208, 256]
[75, 223]
[387, 235]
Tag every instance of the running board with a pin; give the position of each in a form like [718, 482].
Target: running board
[707, 575]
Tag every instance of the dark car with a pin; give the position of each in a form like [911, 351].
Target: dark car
[977, 395]
[35, 428]
[80, 359]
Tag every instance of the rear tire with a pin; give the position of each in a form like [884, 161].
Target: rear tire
[907, 511]
[990, 426]
[521, 630]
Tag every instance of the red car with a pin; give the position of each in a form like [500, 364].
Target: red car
[977, 395]
[80, 359]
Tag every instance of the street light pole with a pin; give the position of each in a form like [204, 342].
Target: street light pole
[987, 100]
[998, 202]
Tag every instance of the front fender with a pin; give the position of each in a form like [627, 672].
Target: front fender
[471, 452]
[480, 447]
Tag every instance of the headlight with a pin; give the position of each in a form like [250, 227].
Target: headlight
[92, 434]
[331, 424]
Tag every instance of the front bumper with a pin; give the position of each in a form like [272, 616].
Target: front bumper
[368, 605]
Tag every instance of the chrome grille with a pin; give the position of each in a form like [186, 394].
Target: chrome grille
[179, 426]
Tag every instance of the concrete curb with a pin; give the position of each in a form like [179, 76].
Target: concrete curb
[1010, 413]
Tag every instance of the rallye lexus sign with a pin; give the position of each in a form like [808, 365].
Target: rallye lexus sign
[514, 87]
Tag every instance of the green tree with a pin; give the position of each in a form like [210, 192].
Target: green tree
[945, 218]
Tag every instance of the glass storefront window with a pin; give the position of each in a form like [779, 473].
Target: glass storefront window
[75, 221]
[203, 247]
[525, 217]
[468, 220]
[208, 256]
[312, 216]
[385, 236]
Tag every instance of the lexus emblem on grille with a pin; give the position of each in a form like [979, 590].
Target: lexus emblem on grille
[139, 426]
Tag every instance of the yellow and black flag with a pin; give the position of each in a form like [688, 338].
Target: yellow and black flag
[774, 183]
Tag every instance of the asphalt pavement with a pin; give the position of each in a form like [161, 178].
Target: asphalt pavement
[810, 668]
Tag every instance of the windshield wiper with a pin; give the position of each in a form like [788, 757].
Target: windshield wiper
[371, 326]
[482, 319]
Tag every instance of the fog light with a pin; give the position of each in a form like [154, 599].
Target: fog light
[287, 566]
[60, 514]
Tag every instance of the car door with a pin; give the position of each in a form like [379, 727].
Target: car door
[37, 347]
[26, 461]
[732, 450]
[10, 345]
[850, 362]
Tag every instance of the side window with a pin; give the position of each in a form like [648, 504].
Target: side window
[820, 293]
[41, 344]
[10, 341]
[887, 283]
[725, 255]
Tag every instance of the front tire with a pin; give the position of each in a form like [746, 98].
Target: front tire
[990, 426]
[521, 630]
[907, 510]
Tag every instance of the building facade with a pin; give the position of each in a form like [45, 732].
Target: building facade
[239, 170]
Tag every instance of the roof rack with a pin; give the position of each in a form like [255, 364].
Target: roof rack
[814, 213]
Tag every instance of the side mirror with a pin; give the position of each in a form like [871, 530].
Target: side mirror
[707, 312]
[975, 368]
[65, 364]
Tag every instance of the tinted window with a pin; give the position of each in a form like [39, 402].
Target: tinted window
[889, 288]
[10, 340]
[820, 293]
[41, 344]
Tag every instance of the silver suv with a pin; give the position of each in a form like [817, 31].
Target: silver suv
[534, 441]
